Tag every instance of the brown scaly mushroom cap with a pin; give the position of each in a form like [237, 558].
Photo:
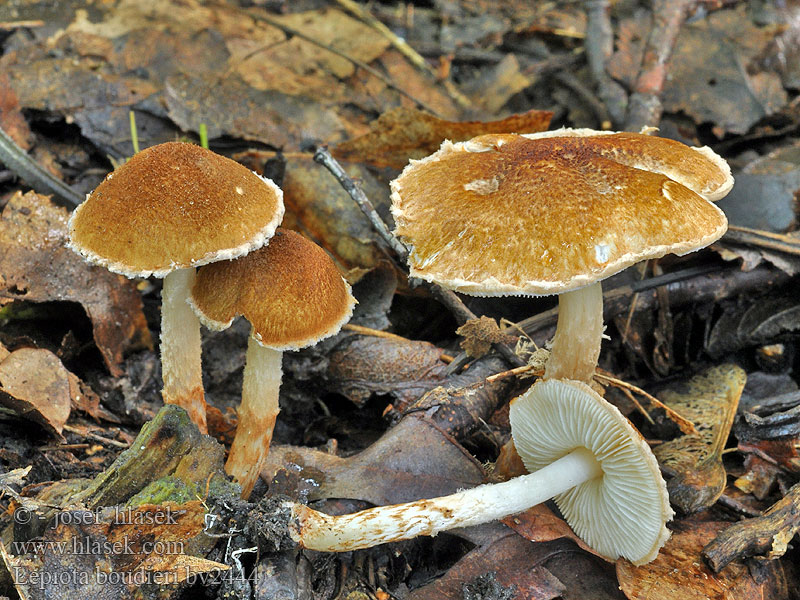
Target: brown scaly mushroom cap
[290, 291]
[539, 214]
[173, 206]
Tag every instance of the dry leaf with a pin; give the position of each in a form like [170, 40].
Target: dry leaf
[479, 335]
[412, 460]
[401, 134]
[362, 365]
[35, 266]
[709, 400]
[540, 524]
[35, 385]
[679, 573]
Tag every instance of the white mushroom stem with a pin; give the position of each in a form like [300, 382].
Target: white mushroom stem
[180, 348]
[257, 414]
[576, 346]
[319, 531]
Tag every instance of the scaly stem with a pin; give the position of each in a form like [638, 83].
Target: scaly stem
[257, 414]
[180, 348]
[319, 531]
[576, 346]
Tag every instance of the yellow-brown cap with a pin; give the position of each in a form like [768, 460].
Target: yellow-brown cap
[290, 291]
[538, 214]
[173, 206]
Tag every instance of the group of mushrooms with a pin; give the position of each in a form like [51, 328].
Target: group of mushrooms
[501, 214]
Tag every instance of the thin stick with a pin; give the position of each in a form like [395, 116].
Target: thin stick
[684, 424]
[96, 437]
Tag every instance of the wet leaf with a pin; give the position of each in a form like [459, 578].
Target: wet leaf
[540, 524]
[709, 400]
[35, 385]
[679, 573]
[364, 365]
[35, 266]
[412, 460]
[401, 134]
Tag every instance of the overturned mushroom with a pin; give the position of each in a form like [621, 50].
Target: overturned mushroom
[293, 296]
[581, 451]
[555, 213]
[169, 209]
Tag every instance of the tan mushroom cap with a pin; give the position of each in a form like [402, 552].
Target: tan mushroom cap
[290, 291]
[624, 511]
[538, 214]
[173, 206]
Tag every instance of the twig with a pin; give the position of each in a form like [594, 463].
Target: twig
[644, 106]
[447, 297]
[768, 535]
[358, 63]
[599, 109]
[763, 239]
[16, 159]
[96, 437]
[684, 424]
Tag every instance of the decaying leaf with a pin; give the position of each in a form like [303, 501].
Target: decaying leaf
[412, 460]
[35, 385]
[709, 400]
[540, 524]
[679, 573]
[15, 477]
[401, 134]
[362, 365]
[479, 335]
[35, 266]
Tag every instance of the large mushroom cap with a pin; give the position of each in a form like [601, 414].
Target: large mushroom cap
[172, 206]
[290, 291]
[623, 512]
[539, 214]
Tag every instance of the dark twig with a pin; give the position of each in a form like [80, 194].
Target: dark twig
[768, 535]
[599, 44]
[447, 297]
[16, 159]
[644, 107]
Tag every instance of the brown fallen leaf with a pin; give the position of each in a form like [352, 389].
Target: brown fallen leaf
[540, 524]
[679, 573]
[413, 460]
[401, 134]
[709, 400]
[363, 365]
[513, 560]
[35, 385]
[35, 266]
[479, 335]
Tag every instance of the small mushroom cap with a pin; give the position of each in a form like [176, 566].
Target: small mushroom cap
[290, 291]
[624, 511]
[538, 214]
[174, 206]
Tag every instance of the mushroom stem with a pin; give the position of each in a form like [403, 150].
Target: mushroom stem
[257, 414]
[180, 348]
[579, 331]
[319, 531]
